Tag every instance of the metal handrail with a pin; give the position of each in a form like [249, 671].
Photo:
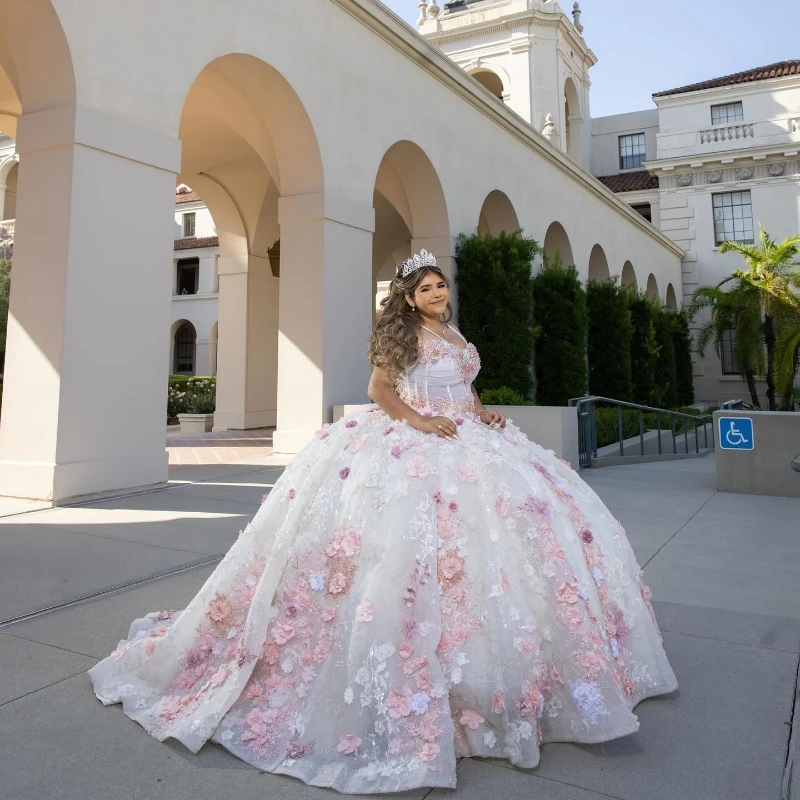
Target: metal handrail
[587, 426]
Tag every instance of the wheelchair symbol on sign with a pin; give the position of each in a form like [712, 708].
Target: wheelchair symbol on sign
[734, 437]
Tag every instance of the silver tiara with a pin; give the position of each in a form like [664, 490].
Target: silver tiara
[424, 259]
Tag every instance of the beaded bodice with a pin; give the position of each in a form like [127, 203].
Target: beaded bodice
[440, 383]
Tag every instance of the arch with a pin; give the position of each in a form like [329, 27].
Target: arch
[410, 208]
[239, 103]
[573, 121]
[557, 245]
[8, 189]
[490, 81]
[598, 265]
[652, 287]
[498, 215]
[36, 69]
[184, 352]
[629, 276]
[672, 300]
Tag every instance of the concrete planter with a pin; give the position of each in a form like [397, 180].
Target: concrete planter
[196, 423]
[553, 427]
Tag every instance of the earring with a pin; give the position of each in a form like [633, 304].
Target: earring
[413, 308]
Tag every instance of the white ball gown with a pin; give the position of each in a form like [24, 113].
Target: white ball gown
[400, 600]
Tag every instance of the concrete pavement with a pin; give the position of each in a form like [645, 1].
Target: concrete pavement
[725, 575]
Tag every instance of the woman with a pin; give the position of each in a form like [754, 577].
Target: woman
[422, 583]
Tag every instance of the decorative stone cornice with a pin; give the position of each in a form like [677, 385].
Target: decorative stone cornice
[425, 55]
[720, 94]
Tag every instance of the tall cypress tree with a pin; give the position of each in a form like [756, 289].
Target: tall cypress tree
[559, 308]
[665, 391]
[682, 345]
[609, 340]
[495, 307]
[644, 349]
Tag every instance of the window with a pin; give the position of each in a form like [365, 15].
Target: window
[631, 151]
[188, 225]
[188, 270]
[733, 217]
[185, 338]
[726, 353]
[726, 113]
[645, 210]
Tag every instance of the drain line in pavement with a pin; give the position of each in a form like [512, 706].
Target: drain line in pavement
[109, 590]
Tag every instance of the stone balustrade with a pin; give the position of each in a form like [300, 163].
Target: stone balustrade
[726, 133]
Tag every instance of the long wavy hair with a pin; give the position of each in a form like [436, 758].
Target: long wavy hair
[394, 342]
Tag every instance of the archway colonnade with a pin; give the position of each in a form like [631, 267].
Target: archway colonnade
[318, 183]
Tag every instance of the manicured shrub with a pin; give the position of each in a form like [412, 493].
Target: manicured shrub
[609, 340]
[503, 396]
[189, 394]
[644, 349]
[495, 307]
[665, 390]
[559, 310]
[682, 345]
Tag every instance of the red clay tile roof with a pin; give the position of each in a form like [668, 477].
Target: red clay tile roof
[197, 244]
[630, 182]
[187, 197]
[780, 70]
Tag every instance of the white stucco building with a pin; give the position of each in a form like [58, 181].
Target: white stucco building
[312, 182]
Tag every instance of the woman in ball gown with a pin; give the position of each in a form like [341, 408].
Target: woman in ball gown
[423, 583]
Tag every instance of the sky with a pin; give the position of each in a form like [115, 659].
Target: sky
[645, 46]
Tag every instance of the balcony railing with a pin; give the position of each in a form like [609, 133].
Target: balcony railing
[727, 133]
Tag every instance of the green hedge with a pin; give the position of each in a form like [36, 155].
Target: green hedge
[503, 396]
[644, 349]
[559, 308]
[682, 347]
[495, 307]
[607, 423]
[609, 340]
[665, 390]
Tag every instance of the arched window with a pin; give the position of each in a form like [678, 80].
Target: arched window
[185, 346]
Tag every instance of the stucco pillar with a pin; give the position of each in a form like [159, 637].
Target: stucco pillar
[326, 308]
[207, 277]
[247, 348]
[81, 305]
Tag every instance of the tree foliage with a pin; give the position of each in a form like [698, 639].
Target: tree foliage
[495, 307]
[559, 308]
[609, 340]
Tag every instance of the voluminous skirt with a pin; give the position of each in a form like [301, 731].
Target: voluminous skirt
[400, 600]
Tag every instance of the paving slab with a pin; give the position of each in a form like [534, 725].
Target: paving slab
[741, 627]
[249, 488]
[28, 666]
[724, 585]
[61, 744]
[483, 779]
[42, 566]
[723, 735]
[96, 626]
[164, 519]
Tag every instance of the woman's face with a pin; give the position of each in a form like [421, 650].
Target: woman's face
[431, 296]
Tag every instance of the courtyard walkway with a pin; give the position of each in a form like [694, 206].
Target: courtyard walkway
[725, 575]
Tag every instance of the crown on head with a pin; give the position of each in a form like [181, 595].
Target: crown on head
[423, 259]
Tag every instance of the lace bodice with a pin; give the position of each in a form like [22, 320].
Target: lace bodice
[440, 383]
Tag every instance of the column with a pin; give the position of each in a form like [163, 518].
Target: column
[247, 347]
[326, 304]
[207, 274]
[81, 304]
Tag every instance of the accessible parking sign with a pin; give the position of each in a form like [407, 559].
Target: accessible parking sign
[736, 433]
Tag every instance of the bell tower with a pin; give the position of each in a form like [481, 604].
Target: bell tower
[527, 53]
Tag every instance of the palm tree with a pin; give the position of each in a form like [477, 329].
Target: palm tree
[734, 309]
[769, 275]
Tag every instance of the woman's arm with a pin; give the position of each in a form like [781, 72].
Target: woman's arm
[381, 391]
[486, 416]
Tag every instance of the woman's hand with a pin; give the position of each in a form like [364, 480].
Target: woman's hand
[441, 426]
[494, 419]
